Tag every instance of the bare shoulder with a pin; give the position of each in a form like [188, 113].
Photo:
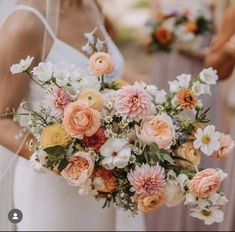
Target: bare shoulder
[22, 31]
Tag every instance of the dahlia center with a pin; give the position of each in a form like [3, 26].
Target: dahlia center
[206, 212]
[189, 98]
[206, 139]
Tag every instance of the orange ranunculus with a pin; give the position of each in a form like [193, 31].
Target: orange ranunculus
[79, 120]
[101, 63]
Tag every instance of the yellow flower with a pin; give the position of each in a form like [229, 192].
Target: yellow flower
[54, 135]
[117, 84]
[92, 98]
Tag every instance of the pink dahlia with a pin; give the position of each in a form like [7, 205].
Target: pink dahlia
[57, 101]
[147, 180]
[134, 102]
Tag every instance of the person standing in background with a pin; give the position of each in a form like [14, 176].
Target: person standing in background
[165, 67]
[221, 56]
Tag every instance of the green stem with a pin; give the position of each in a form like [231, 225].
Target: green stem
[102, 82]
[31, 77]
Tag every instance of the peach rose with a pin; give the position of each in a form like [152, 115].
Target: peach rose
[92, 98]
[101, 63]
[79, 169]
[226, 146]
[188, 152]
[80, 120]
[205, 183]
[150, 202]
[157, 129]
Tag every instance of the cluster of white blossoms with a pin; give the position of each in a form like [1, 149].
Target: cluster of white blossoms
[200, 85]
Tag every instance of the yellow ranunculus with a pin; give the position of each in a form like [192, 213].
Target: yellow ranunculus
[54, 135]
[92, 98]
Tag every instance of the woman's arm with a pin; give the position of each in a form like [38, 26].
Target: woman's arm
[218, 56]
[20, 36]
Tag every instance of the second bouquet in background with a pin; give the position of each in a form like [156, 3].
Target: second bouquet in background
[136, 146]
[177, 29]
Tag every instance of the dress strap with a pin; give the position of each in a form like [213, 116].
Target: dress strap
[39, 15]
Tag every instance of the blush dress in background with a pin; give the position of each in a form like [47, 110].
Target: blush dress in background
[165, 67]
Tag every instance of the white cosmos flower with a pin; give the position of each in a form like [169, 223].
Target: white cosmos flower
[184, 80]
[160, 96]
[218, 199]
[43, 71]
[116, 153]
[174, 86]
[209, 76]
[22, 66]
[38, 161]
[198, 88]
[91, 187]
[208, 215]
[207, 140]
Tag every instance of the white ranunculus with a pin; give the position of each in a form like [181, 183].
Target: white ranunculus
[22, 66]
[160, 96]
[173, 195]
[198, 88]
[43, 71]
[116, 153]
[209, 76]
[174, 86]
[184, 80]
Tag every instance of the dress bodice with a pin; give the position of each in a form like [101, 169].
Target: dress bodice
[63, 53]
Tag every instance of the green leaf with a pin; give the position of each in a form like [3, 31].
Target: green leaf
[56, 150]
[63, 164]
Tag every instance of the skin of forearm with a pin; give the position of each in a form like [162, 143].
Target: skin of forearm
[222, 62]
[8, 130]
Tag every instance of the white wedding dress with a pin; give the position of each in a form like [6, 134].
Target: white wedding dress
[46, 200]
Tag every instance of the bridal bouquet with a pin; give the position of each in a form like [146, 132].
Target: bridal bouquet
[133, 145]
[177, 29]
